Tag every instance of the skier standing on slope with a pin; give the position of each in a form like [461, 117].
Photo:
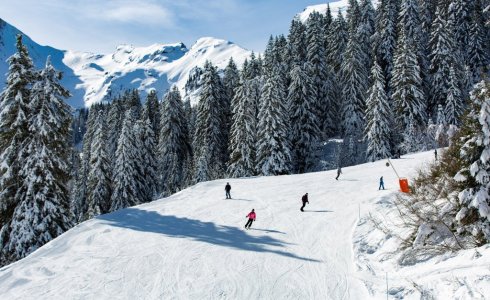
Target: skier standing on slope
[435, 153]
[251, 217]
[227, 190]
[339, 171]
[304, 199]
[381, 183]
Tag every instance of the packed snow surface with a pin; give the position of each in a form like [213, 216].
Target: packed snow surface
[192, 245]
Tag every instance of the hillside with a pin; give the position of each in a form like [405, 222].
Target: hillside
[192, 245]
[92, 78]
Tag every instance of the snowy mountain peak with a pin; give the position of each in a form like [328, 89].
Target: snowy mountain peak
[93, 78]
[335, 8]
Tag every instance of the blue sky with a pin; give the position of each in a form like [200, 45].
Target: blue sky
[100, 25]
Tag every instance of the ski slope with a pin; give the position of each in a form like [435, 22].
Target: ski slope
[192, 245]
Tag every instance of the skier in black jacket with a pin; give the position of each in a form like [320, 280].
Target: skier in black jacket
[227, 190]
[304, 199]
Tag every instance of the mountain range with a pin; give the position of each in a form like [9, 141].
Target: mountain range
[93, 78]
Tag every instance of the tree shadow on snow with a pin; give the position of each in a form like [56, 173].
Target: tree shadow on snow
[207, 232]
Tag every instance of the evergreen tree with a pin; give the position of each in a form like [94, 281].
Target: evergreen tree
[386, 36]
[353, 16]
[478, 45]
[321, 77]
[297, 41]
[115, 118]
[366, 31]
[79, 202]
[42, 212]
[337, 40]
[126, 188]
[146, 160]
[99, 176]
[454, 105]
[354, 88]
[407, 92]
[273, 145]
[174, 150]
[243, 129]
[210, 137]
[305, 134]
[14, 114]
[231, 80]
[474, 215]
[441, 59]
[378, 117]
[151, 111]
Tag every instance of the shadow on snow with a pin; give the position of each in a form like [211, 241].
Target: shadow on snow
[207, 232]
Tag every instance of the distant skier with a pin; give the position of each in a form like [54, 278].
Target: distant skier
[227, 190]
[304, 199]
[251, 217]
[339, 171]
[381, 183]
[435, 153]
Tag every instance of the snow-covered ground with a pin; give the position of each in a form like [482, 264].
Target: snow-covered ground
[192, 245]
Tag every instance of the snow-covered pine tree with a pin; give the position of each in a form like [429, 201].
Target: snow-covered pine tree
[337, 40]
[126, 185]
[455, 104]
[305, 134]
[378, 117]
[409, 19]
[478, 44]
[273, 145]
[78, 202]
[442, 58]
[174, 149]
[406, 86]
[231, 79]
[321, 78]
[366, 31]
[243, 129]
[474, 215]
[43, 212]
[132, 102]
[100, 174]
[459, 20]
[354, 88]
[353, 16]
[146, 159]
[386, 36]
[14, 114]
[297, 42]
[151, 110]
[115, 118]
[209, 143]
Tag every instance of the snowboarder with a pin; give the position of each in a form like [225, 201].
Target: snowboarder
[381, 183]
[251, 217]
[435, 153]
[227, 190]
[339, 171]
[304, 199]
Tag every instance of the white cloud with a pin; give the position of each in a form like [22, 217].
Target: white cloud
[143, 12]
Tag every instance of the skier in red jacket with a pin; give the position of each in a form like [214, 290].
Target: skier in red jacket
[251, 217]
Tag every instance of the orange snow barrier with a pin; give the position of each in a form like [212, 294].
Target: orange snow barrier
[404, 185]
